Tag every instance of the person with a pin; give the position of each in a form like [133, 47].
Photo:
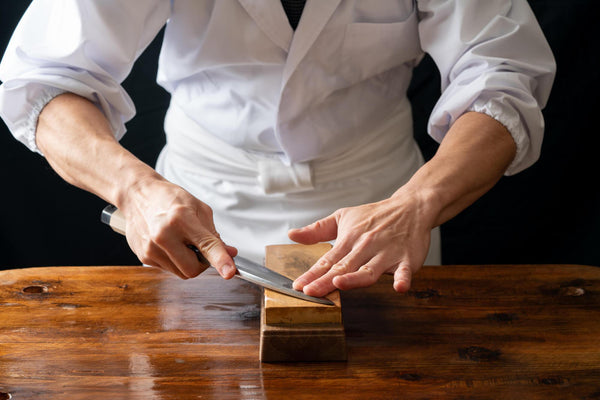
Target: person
[280, 130]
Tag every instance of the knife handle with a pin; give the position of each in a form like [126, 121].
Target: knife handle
[113, 217]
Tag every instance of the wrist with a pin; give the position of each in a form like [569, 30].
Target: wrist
[428, 201]
[136, 179]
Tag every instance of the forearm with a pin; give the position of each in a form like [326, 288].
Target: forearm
[470, 160]
[162, 218]
[77, 141]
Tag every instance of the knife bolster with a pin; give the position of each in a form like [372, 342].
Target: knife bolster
[112, 216]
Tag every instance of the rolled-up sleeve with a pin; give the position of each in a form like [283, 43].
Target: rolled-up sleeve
[493, 58]
[78, 46]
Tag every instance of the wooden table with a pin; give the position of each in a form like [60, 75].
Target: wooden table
[463, 332]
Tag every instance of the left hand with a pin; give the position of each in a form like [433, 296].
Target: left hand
[388, 236]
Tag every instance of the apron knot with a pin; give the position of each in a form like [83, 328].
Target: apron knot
[276, 177]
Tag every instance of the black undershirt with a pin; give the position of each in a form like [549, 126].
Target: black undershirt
[293, 10]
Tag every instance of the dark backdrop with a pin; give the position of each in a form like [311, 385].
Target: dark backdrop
[546, 214]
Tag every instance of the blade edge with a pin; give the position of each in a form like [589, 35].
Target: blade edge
[260, 281]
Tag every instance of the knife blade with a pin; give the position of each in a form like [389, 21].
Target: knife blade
[246, 269]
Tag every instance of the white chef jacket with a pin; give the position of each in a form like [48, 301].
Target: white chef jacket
[242, 80]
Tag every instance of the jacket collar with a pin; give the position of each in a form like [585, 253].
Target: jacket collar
[270, 16]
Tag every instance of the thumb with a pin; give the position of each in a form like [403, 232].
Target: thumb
[320, 231]
[219, 255]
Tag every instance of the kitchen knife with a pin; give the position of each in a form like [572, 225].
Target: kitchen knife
[246, 269]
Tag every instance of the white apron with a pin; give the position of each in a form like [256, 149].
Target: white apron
[256, 198]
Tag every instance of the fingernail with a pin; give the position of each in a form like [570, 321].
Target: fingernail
[297, 285]
[310, 290]
[228, 271]
[401, 286]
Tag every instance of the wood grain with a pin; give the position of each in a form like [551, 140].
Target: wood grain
[292, 329]
[302, 342]
[462, 332]
[292, 260]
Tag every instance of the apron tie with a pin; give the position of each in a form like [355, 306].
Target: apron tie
[276, 177]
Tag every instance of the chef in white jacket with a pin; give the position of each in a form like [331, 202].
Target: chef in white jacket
[279, 132]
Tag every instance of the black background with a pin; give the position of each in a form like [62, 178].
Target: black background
[546, 214]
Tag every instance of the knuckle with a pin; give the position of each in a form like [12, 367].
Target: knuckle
[213, 251]
[340, 268]
[182, 276]
[160, 236]
[147, 249]
[207, 243]
[340, 211]
[176, 212]
[342, 246]
[174, 270]
[371, 277]
[405, 268]
[316, 225]
[204, 211]
[367, 270]
[183, 214]
[323, 264]
[144, 259]
[191, 272]
[149, 253]
[368, 238]
[403, 273]
[161, 229]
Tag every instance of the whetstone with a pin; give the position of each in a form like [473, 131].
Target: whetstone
[294, 329]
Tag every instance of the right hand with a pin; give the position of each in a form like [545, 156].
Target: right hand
[163, 220]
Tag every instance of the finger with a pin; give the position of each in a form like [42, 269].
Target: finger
[324, 285]
[172, 245]
[321, 267]
[232, 251]
[149, 253]
[365, 276]
[165, 264]
[181, 256]
[169, 267]
[315, 272]
[215, 251]
[402, 278]
[322, 230]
